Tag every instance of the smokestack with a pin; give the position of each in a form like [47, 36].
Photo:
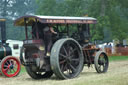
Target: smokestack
[3, 30]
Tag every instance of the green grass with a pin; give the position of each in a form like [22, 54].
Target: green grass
[22, 69]
[111, 58]
[118, 58]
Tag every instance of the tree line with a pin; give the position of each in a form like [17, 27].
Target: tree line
[112, 15]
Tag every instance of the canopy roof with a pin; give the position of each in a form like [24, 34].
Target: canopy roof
[53, 20]
[2, 19]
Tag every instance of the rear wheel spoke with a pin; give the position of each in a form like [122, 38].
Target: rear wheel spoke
[62, 61]
[62, 67]
[65, 67]
[73, 51]
[62, 55]
[72, 67]
[76, 60]
[65, 51]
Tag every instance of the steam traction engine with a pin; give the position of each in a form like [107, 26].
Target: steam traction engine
[70, 48]
[9, 65]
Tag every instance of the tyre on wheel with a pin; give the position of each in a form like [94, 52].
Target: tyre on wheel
[66, 58]
[101, 62]
[10, 66]
[38, 75]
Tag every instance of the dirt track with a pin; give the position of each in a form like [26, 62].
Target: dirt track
[116, 75]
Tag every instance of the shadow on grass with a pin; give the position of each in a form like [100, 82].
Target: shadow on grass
[55, 78]
[43, 79]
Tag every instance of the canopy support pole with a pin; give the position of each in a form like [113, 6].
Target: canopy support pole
[26, 30]
[37, 32]
[67, 30]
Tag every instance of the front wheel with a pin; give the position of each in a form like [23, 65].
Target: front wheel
[10, 66]
[101, 62]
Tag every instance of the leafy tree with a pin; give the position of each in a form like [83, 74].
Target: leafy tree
[11, 9]
[112, 15]
[109, 14]
[47, 7]
[75, 7]
[63, 7]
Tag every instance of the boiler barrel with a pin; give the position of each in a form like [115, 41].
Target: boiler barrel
[5, 51]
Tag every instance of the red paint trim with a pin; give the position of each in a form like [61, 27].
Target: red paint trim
[8, 67]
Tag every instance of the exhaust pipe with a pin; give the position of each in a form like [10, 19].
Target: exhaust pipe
[3, 30]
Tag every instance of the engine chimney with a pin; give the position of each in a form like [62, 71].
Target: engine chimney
[3, 30]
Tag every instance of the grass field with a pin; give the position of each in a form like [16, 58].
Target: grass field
[118, 58]
[111, 58]
[117, 75]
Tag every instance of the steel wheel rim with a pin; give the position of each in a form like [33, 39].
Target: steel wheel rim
[68, 62]
[102, 62]
[11, 67]
[55, 59]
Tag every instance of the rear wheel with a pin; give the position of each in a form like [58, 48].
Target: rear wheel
[38, 75]
[10, 66]
[101, 62]
[66, 58]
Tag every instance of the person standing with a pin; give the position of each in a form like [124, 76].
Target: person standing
[47, 38]
[48, 31]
